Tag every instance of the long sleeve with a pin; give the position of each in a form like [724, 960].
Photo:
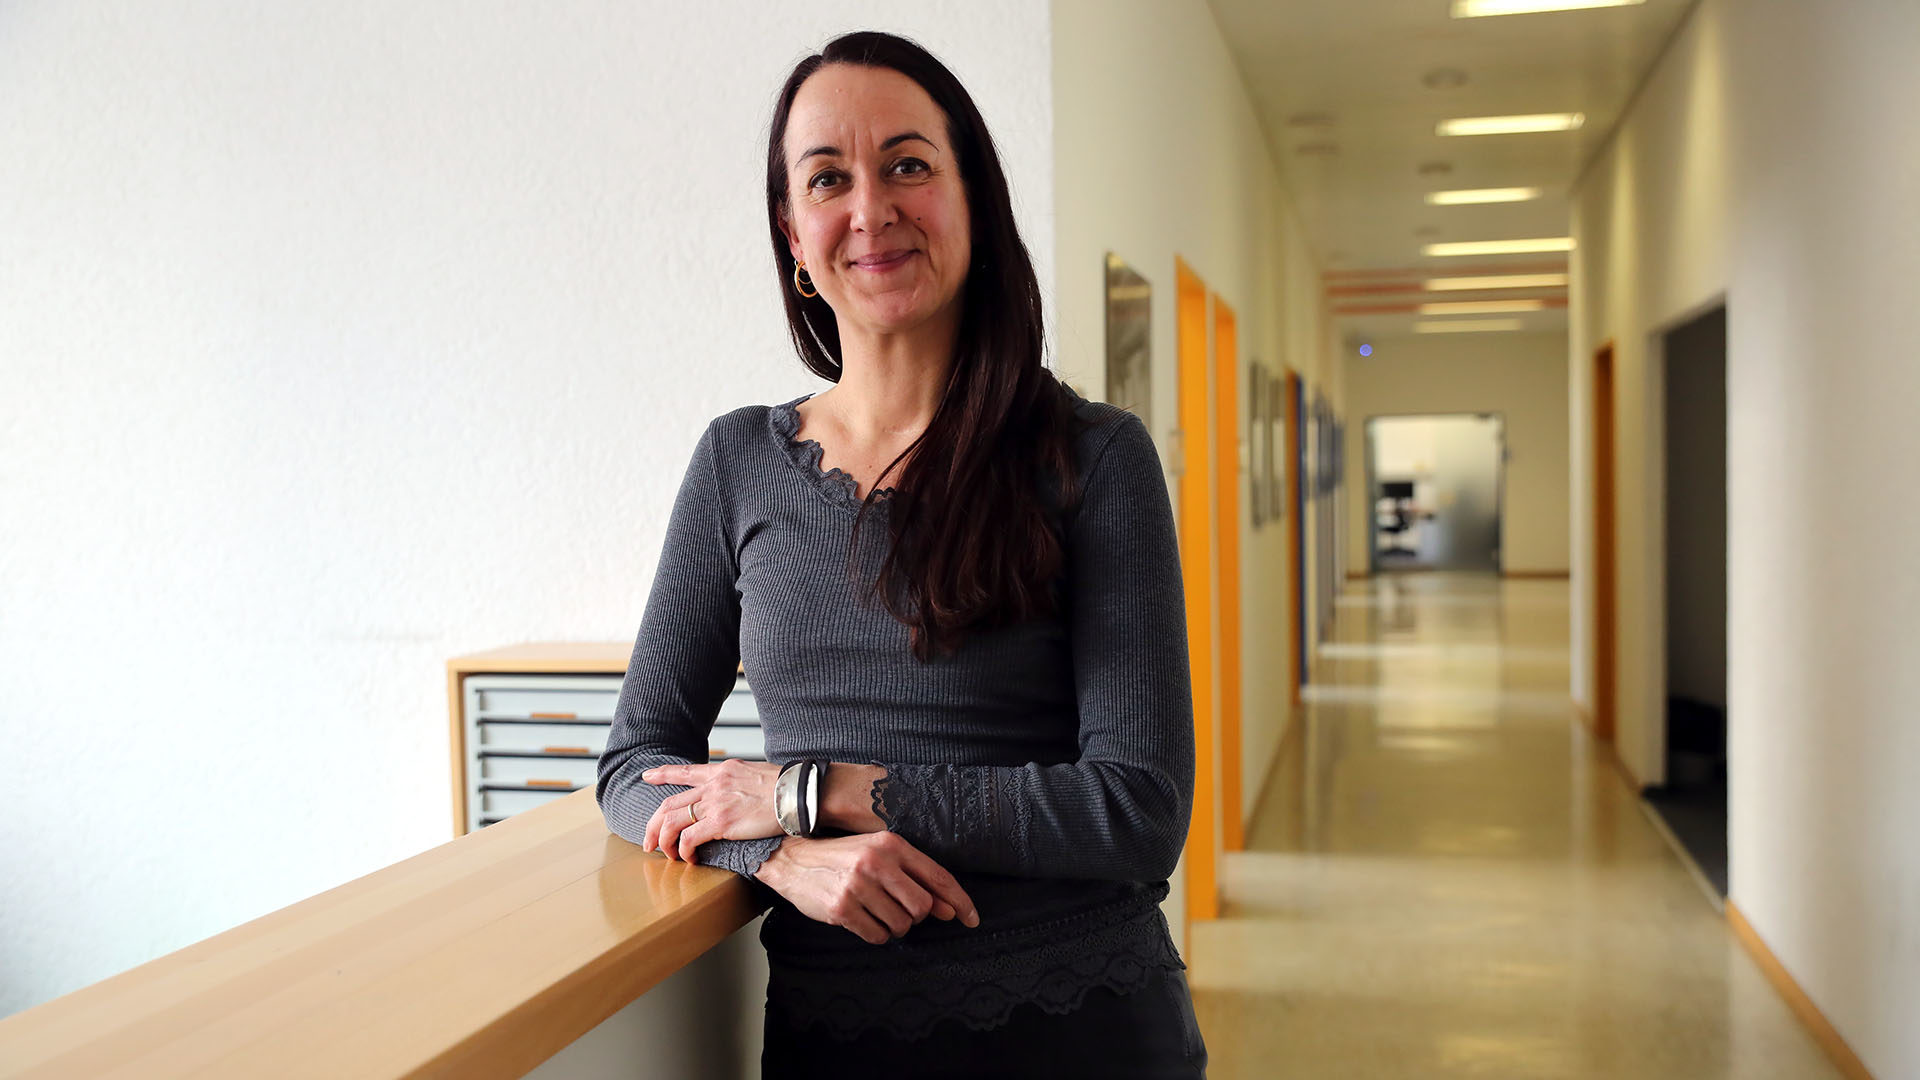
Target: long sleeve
[683, 666]
[1121, 811]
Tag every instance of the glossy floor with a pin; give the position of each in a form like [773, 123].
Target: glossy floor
[1446, 879]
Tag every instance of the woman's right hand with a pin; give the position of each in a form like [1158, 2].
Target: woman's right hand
[876, 884]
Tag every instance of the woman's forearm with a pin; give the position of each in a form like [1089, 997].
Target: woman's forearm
[846, 801]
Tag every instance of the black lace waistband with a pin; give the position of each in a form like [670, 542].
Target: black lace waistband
[907, 989]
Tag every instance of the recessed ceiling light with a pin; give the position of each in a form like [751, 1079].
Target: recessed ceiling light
[1482, 195]
[1500, 247]
[1510, 125]
[1499, 281]
[1465, 326]
[1434, 168]
[1444, 78]
[1481, 307]
[1476, 9]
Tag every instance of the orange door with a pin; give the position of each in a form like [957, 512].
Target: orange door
[1196, 564]
[1605, 664]
[1226, 415]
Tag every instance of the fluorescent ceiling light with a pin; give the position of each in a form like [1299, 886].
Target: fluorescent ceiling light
[1482, 195]
[1465, 326]
[1481, 307]
[1501, 281]
[1476, 9]
[1510, 125]
[1501, 247]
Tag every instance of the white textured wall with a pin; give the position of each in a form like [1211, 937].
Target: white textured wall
[1159, 155]
[1770, 159]
[341, 338]
[1523, 377]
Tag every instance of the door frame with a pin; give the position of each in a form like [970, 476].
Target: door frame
[1196, 532]
[1227, 441]
[1606, 664]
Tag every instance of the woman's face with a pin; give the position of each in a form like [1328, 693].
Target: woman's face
[875, 205]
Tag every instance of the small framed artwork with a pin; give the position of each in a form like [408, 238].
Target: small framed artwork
[1278, 452]
[1129, 340]
[1259, 457]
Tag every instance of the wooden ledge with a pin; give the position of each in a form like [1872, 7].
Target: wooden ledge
[478, 958]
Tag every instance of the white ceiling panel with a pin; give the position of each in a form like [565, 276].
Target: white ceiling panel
[1361, 84]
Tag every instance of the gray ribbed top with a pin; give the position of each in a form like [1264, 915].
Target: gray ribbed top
[1048, 766]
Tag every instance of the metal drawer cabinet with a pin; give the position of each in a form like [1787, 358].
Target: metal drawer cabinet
[530, 739]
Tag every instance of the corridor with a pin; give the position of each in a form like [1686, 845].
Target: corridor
[1446, 877]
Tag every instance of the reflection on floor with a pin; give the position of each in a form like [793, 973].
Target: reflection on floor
[1447, 879]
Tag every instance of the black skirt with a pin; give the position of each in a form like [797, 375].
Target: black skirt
[1150, 1032]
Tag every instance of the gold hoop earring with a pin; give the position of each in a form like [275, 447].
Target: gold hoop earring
[799, 286]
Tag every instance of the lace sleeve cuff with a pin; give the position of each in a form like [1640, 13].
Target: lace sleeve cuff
[963, 816]
[740, 856]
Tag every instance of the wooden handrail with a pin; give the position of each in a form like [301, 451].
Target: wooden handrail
[479, 958]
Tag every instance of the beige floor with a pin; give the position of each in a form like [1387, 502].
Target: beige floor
[1446, 880]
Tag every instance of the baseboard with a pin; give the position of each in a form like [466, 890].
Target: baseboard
[1606, 747]
[1818, 1025]
[1538, 575]
[1289, 744]
[1822, 1029]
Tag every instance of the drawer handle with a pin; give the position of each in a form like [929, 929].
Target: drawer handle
[565, 750]
[550, 783]
[553, 716]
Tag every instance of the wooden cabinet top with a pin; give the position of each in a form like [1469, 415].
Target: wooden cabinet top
[585, 657]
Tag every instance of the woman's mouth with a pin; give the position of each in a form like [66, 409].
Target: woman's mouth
[882, 264]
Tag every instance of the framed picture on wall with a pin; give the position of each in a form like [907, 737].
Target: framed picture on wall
[1258, 456]
[1278, 452]
[1129, 340]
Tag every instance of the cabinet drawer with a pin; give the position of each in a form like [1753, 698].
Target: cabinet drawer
[499, 803]
[737, 742]
[543, 736]
[577, 697]
[519, 769]
[739, 707]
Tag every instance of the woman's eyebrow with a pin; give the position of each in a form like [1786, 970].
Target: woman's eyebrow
[834, 151]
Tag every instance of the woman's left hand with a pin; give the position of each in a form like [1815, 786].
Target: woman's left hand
[735, 802]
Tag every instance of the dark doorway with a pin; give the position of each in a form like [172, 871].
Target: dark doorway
[1694, 798]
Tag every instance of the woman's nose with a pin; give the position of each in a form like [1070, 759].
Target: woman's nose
[873, 208]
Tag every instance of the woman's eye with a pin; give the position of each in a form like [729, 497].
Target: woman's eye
[814, 183]
[921, 165]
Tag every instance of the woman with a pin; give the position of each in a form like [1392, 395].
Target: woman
[987, 659]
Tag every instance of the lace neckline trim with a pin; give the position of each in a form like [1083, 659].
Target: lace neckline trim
[835, 485]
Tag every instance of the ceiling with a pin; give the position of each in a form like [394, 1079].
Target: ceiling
[1348, 93]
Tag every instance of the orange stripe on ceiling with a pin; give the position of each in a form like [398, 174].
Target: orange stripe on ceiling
[1445, 270]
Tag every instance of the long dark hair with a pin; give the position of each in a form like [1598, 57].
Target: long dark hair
[973, 542]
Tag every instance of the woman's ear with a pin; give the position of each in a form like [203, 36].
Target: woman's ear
[793, 241]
